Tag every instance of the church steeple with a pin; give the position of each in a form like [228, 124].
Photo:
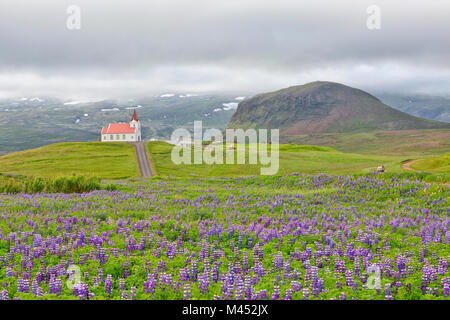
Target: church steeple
[134, 117]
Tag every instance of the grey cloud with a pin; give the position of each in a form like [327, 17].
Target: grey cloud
[130, 47]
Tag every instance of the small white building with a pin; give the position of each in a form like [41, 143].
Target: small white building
[181, 142]
[123, 132]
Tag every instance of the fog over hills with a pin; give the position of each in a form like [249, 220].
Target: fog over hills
[27, 122]
[420, 105]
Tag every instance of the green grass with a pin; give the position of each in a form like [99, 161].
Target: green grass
[395, 143]
[105, 160]
[118, 161]
[436, 164]
[301, 159]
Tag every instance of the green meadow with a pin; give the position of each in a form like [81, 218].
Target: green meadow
[293, 158]
[104, 160]
[413, 143]
[437, 164]
[118, 161]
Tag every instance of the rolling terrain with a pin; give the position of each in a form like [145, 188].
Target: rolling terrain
[27, 123]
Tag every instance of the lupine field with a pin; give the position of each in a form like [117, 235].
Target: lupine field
[291, 237]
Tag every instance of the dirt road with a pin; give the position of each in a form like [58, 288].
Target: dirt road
[407, 164]
[141, 154]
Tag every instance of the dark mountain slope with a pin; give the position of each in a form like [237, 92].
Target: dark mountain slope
[323, 107]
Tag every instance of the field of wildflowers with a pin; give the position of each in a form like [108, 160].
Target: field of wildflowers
[288, 237]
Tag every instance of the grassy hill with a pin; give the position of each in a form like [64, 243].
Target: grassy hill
[293, 158]
[105, 160]
[397, 142]
[436, 164]
[324, 107]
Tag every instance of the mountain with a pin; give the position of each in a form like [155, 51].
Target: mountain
[433, 107]
[27, 123]
[323, 107]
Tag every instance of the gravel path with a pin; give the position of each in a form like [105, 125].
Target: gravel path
[141, 154]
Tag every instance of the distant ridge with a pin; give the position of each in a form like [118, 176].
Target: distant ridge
[324, 107]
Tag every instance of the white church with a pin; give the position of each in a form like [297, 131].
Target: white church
[123, 132]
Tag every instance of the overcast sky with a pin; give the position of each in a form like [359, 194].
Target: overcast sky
[127, 48]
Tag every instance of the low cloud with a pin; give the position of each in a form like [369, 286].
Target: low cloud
[130, 48]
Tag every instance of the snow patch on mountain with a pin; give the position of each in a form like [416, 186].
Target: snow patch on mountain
[230, 106]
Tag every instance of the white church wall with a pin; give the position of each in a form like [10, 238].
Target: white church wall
[121, 137]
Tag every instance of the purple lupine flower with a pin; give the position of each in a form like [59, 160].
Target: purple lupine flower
[239, 294]
[193, 275]
[287, 271]
[305, 293]
[288, 294]
[263, 294]
[446, 290]
[184, 274]
[55, 286]
[108, 284]
[23, 285]
[387, 292]
[39, 292]
[248, 289]
[150, 284]
[349, 278]
[83, 291]
[296, 286]
[187, 291]
[215, 272]
[121, 284]
[100, 275]
[4, 295]
[34, 286]
[278, 261]
[133, 293]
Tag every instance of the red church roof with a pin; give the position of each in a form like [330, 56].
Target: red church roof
[114, 128]
[134, 117]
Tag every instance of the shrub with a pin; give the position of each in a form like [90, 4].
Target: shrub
[73, 184]
[10, 186]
